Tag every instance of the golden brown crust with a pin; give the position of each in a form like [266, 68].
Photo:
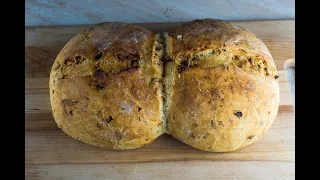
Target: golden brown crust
[104, 87]
[200, 41]
[225, 94]
[219, 109]
[217, 90]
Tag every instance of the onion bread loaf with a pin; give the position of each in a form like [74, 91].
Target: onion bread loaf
[210, 84]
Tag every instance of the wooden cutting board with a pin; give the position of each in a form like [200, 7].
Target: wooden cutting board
[51, 154]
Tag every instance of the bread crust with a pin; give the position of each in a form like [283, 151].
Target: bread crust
[104, 87]
[225, 94]
[217, 90]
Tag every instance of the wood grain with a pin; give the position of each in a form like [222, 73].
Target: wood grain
[222, 170]
[51, 154]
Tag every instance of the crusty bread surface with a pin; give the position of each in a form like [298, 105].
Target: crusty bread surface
[105, 86]
[210, 84]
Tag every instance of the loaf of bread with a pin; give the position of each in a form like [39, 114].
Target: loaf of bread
[209, 84]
